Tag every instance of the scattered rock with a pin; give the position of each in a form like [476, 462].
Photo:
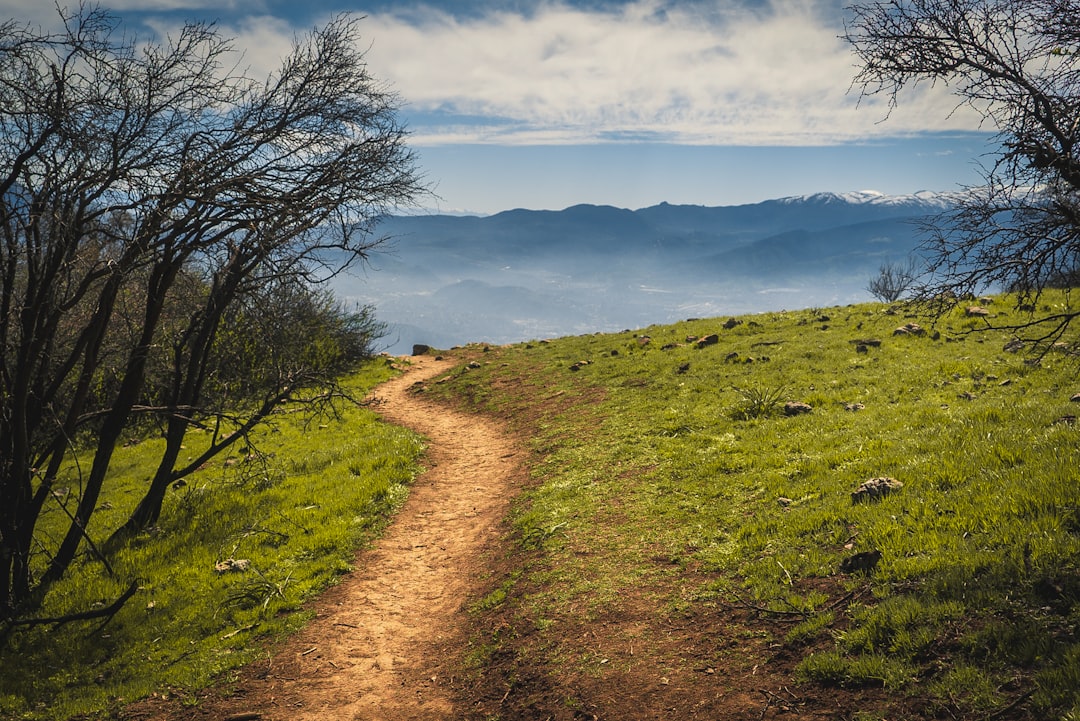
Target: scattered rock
[669, 346]
[783, 501]
[875, 489]
[795, 408]
[910, 329]
[1075, 398]
[683, 368]
[731, 323]
[420, 349]
[732, 356]
[579, 365]
[644, 340]
[1014, 346]
[968, 396]
[976, 311]
[474, 365]
[868, 342]
[853, 407]
[230, 565]
[864, 562]
[711, 339]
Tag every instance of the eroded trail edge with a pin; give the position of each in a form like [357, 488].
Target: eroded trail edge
[387, 639]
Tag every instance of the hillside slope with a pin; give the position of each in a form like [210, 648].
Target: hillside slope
[691, 549]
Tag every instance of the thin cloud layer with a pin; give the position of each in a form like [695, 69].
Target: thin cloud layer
[736, 76]
[725, 72]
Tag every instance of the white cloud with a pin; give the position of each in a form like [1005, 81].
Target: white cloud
[562, 74]
[43, 12]
[724, 74]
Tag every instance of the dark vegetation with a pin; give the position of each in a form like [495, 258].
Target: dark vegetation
[164, 223]
[242, 545]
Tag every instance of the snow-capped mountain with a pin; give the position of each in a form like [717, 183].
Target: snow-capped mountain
[930, 199]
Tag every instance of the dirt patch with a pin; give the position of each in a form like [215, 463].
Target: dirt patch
[388, 640]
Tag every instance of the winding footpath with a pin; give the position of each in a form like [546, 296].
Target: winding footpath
[385, 639]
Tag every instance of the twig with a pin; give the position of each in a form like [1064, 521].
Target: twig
[765, 709]
[754, 607]
[235, 631]
[109, 611]
[841, 601]
[1016, 702]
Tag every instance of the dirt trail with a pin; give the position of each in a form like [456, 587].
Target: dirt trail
[387, 638]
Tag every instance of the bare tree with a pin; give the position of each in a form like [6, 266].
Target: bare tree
[893, 280]
[149, 196]
[1016, 63]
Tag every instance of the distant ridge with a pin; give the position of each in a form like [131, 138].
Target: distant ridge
[522, 274]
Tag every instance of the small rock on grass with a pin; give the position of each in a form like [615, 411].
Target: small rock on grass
[875, 489]
[864, 562]
[795, 408]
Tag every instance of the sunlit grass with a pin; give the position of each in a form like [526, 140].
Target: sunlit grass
[669, 463]
[294, 517]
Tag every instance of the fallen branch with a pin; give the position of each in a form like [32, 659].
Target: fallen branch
[108, 612]
[1016, 702]
[762, 609]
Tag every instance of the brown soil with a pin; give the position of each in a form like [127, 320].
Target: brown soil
[387, 640]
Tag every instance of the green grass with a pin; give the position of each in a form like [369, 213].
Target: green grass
[664, 450]
[324, 488]
[666, 481]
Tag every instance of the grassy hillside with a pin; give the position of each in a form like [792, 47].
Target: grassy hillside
[686, 548]
[241, 544]
[680, 552]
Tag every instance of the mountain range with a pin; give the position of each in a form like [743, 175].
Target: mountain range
[525, 274]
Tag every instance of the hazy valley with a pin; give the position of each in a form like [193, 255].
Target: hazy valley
[520, 274]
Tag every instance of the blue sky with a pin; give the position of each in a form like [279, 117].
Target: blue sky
[544, 104]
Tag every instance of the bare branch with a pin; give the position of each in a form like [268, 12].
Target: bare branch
[1017, 63]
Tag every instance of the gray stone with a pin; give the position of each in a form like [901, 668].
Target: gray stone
[875, 489]
[795, 408]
